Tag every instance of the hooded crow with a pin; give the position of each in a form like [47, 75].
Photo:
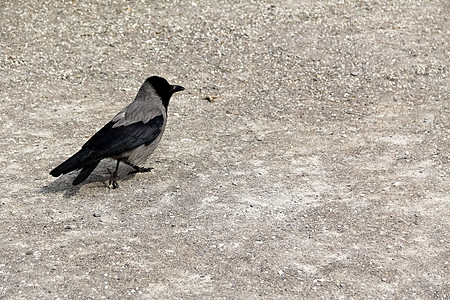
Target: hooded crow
[130, 137]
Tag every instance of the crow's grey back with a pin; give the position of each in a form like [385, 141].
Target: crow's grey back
[145, 107]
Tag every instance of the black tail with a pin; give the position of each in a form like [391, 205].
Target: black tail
[85, 172]
[72, 164]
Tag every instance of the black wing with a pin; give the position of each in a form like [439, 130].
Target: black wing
[110, 141]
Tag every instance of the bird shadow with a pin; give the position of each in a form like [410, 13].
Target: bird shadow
[100, 175]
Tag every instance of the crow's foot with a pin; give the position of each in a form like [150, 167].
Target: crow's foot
[113, 179]
[139, 170]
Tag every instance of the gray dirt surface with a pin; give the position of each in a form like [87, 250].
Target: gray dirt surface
[308, 157]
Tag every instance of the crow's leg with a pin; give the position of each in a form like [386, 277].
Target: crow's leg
[137, 169]
[113, 177]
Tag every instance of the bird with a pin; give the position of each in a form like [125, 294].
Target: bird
[130, 137]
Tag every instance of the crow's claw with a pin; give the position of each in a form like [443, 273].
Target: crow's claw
[140, 170]
[113, 179]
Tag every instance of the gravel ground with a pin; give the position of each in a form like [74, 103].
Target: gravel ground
[308, 157]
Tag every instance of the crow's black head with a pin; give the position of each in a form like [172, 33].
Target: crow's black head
[163, 88]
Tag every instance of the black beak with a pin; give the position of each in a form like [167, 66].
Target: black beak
[177, 88]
